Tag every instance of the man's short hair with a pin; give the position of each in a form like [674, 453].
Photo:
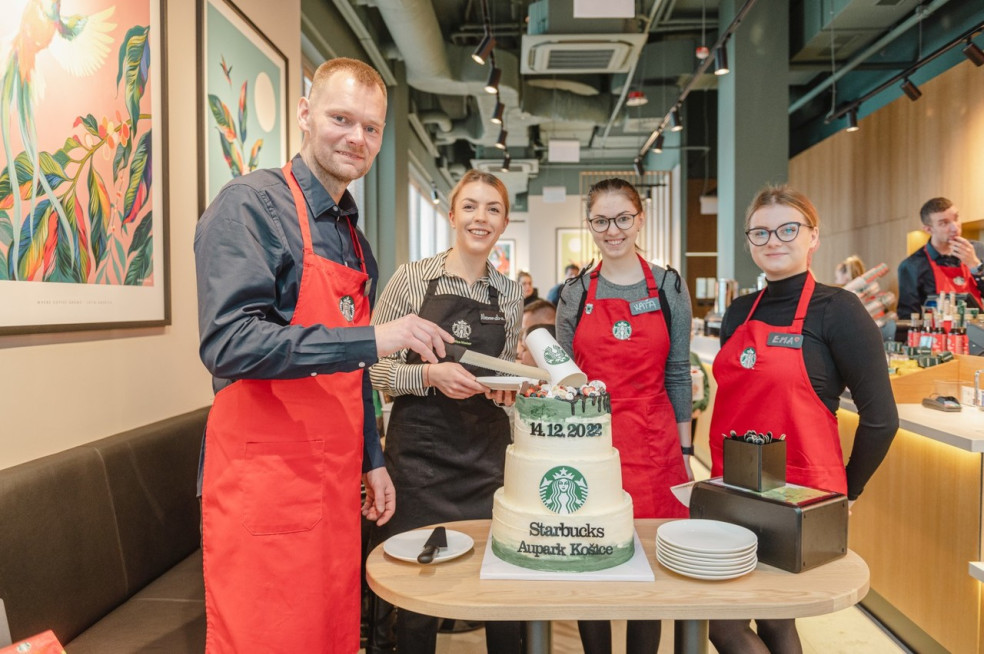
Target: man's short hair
[572, 267]
[936, 205]
[363, 73]
[539, 305]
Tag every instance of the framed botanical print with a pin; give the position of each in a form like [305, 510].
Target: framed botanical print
[242, 92]
[83, 168]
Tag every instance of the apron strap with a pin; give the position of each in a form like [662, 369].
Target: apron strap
[801, 306]
[300, 205]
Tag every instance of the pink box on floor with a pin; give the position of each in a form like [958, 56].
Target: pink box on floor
[43, 643]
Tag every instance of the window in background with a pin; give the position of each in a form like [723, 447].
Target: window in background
[428, 225]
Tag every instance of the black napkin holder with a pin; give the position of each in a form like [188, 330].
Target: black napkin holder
[757, 467]
[792, 535]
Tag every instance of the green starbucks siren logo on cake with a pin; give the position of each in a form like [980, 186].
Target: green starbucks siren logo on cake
[563, 490]
[555, 355]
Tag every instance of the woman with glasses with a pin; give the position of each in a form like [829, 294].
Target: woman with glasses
[792, 386]
[627, 323]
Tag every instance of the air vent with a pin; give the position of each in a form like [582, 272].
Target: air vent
[524, 166]
[579, 53]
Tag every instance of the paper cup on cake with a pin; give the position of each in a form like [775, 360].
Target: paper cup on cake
[550, 356]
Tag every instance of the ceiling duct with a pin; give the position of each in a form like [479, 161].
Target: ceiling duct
[566, 54]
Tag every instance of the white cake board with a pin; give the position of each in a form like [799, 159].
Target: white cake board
[635, 569]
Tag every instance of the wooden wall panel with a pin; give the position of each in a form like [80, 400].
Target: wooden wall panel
[869, 185]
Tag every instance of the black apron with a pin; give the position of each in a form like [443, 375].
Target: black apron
[446, 457]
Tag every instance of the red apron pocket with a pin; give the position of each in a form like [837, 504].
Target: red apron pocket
[282, 486]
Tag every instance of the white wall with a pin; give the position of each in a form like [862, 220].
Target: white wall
[538, 247]
[62, 390]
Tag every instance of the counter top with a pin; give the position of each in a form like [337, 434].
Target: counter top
[963, 430]
[705, 347]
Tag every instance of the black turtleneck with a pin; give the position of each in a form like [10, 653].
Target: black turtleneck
[842, 347]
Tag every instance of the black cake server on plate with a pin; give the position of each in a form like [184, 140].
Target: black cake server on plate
[435, 542]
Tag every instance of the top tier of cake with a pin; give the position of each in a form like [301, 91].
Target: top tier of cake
[581, 427]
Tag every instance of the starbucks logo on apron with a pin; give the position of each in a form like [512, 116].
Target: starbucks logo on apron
[588, 308]
[555, 355]
[622, 330]
[347, 306]
[959, 280]
[563, 490]
[747, 358]
[461, 330]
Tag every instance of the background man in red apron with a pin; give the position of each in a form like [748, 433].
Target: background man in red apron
[949, 263]
[285, 286]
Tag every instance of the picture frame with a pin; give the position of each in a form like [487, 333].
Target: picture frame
[84, 246]
[574, 245]
[503, 257]
[242, 98]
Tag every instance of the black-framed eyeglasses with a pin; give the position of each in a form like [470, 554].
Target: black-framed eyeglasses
[623, 221]
[785, 232]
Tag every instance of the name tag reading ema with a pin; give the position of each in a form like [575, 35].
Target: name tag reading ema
[645, 305]
[792, 341]
[492, 317]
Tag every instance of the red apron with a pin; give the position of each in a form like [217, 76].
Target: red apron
[281, 494]
[954, 279]
[628, 352]
[766, 388]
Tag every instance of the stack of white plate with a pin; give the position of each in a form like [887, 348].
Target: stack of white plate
[706, 549]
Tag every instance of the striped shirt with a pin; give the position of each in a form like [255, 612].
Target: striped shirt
[404, 294]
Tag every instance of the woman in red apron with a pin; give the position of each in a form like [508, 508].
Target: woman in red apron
[446, 440]
[786, 355]
[281, 497]
[616, 321]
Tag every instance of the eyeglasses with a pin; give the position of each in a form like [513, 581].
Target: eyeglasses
[623, 221]
[785, 232]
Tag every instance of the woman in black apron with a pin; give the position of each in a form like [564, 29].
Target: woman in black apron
[446, 441]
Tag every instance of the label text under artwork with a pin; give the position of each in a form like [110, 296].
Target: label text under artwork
[565, 430]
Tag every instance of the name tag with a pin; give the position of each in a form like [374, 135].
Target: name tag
[492, 317]
[646, 305]
[793, 341]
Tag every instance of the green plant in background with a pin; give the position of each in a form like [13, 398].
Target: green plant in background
[232, 132]
[58, 220]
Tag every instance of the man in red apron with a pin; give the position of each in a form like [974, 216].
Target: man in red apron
[949, 263]
[285, 287]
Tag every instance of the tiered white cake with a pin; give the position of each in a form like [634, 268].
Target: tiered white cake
[562, 507]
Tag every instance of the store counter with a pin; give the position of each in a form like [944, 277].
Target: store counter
[918, 524]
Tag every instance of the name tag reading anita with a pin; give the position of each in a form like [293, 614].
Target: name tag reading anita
[646, 305]
[792, 341]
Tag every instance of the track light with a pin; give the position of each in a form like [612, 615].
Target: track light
[639, 168]
[506, 160]
[501, 143]
[972, 52]
[492, 86]
[721, 61]
[435, 198]
[658, 144]
[911, 90]
[677, 123]
[497, 114]
[484, 49]
[852, 120]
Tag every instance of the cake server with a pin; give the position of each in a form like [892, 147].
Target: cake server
[437, 540]
[462, 355]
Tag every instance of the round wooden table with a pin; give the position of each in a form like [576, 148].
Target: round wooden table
[453, 589]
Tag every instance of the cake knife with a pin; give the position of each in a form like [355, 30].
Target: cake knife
[462, 355]
[437, 540]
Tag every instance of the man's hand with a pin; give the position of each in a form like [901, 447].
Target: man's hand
[453, 380]
[964, 250]
[380, 496]
[414, 333]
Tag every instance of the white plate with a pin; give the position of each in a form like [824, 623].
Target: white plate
[698, 573]
[497, 383]
[707, 556]
[709, 536]
[407, 546]
[710, 566]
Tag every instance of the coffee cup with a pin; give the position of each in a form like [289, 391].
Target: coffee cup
[550, 356]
